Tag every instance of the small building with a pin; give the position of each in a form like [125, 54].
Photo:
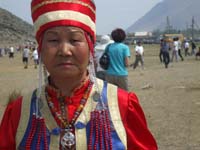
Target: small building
[143, 34]
[145, 37]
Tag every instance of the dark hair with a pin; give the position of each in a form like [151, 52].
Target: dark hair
[118, 35]
[175, 39]
[139, 42]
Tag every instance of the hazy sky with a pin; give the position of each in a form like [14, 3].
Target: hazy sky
[110, 13]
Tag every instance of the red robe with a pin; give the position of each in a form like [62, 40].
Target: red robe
[138, 134]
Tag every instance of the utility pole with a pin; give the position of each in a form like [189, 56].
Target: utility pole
[168, 26]
[192, 26]
[187, 29]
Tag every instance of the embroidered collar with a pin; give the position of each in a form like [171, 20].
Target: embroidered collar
[71, 103]
[56, 93]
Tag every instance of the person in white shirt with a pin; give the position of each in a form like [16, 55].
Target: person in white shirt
[25, 56]
[186, 47]
[11, 52]
[139, 53]
[35, 57]
[175, 49]
[99, 50]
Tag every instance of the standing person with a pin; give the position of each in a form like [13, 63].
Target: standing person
[25, 56]
[7, 50]
[165, 51]
[175, 50]
[180, 49]
[99, 50]
[161, 52]
[119, 54]
[11, 52]
[35, 57]
[1, 52]
[193, 48]
[73, 109]
[197, 54]
[139, 53]
[187, 47]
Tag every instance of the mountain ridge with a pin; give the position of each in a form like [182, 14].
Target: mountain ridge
[179, 12]
[14, 30]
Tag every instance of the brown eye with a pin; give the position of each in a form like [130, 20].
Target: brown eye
[53, 40]
[74, 40]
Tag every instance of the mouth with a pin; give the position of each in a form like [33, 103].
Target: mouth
[65, 64]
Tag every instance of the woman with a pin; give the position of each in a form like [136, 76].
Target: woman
[119, 54]
[73, 110]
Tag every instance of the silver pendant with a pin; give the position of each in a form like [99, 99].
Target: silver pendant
[67, 140]
[96, 96]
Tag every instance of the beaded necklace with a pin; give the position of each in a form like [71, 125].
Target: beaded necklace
[67, 140]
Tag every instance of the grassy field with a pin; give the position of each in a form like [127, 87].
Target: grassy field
[170, 97]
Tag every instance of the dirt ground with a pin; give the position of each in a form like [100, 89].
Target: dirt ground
[170, 97]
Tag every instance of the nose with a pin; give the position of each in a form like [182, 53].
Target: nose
[65, 49]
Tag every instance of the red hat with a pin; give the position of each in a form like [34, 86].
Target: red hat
[51, 13]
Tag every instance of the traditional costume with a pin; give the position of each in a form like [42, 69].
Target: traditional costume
[128, 126]
[97, 116]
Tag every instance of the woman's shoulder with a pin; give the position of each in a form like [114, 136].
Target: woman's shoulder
[134, 122]
[13, 108]
[14, 102]
[127, 101]
[10, 123]
[127, 96]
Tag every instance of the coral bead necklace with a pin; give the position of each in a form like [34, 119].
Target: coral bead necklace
[67, 137]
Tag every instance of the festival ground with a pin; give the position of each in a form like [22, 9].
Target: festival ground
[170, 97]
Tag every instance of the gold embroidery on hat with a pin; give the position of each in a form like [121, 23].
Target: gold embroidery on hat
[57, 1]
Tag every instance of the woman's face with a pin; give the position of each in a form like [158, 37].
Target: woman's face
[65, 52]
